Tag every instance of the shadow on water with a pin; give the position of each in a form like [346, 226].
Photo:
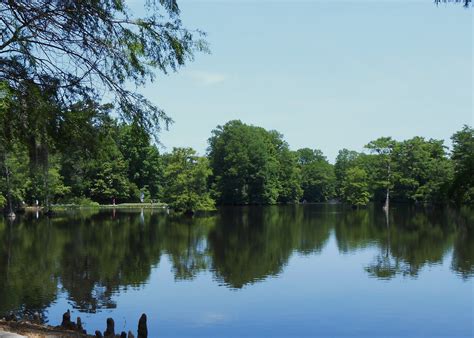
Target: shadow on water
[94, 255]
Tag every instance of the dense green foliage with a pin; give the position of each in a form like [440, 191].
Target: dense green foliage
[79, 50]
[58, 145]
[96, 158]
[355, 188]
[463, 161]
[415, 170]
[318, 179]
[185, 181]
[57, 59]
[245, 165]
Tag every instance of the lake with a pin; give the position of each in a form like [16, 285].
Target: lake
[289, 271]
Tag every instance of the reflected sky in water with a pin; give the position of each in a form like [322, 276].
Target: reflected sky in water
[309, 270]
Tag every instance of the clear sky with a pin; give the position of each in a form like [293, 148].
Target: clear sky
[326, 74]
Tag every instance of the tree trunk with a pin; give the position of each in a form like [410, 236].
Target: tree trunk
[9, 195]
[387, 198]
[45, 162]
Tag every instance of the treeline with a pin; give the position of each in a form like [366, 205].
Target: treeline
[82, 155]
[254, 166]
[88, 157]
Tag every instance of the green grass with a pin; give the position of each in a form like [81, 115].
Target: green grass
[60, 207]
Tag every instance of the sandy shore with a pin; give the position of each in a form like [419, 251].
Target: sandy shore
[12, 329]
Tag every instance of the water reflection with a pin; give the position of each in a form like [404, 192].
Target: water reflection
[406, 240]
[251, 244]
[93, 255]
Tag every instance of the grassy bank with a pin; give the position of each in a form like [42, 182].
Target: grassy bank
[59, 207]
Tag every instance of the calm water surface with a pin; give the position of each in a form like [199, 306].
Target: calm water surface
[309, 270]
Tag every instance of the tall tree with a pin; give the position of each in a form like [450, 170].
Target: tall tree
[36, 113]
[289, 174]
[355, 187]
[186, 181]
[345, 159]
[245, 164]
[383, 147]
[79, 140]
[307, 156]
[422, 171]
[318, 178]
[4, 144]
[463, 159]
[145, 168]
[109, 169]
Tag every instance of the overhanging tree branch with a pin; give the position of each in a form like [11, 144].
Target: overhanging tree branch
[90, 47]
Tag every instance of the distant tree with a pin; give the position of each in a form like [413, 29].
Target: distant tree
[186, 181]
[245, 164]
[80, 139]
[383, 147]
[422, 171]
[318, 178]
[307, 156]
[345, 160]
[289, 173]
[355, 188]
[289, 177]
[14, 164]
[462, 155]
[145, 168]
[46, 185]
[108, 170]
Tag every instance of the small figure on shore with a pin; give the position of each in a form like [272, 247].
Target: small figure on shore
[113, 201]
[142, 197]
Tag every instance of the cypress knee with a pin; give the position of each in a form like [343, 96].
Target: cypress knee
[79, 326]
[110, 331]
[142, 329]
[66, 323]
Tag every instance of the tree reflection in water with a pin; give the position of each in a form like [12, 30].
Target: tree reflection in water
[94, 255]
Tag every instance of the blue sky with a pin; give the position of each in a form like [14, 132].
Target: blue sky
[326, 74]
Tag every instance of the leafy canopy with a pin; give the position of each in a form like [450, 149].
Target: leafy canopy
[86, 48]
[186, 176]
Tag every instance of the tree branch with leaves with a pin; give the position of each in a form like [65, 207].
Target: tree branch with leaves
[95, 48]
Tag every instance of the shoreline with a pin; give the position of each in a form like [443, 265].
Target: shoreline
[11, 327]
[60, 207]
[24, 328]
